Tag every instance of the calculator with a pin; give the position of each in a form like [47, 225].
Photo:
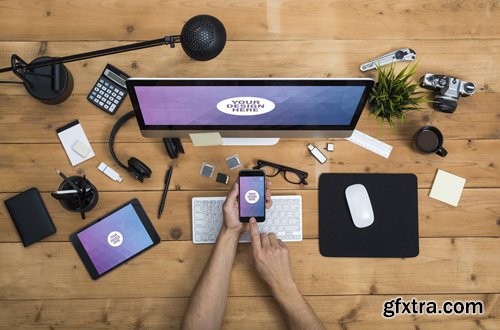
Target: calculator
[110, 90]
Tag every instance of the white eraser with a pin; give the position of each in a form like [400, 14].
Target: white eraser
[81, 148]
[112, 174]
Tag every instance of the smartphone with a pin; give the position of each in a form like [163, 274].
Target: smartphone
[252, 196]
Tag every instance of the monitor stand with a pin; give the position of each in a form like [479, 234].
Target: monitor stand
[249, 141]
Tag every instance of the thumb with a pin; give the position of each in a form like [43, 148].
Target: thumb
[233, 193]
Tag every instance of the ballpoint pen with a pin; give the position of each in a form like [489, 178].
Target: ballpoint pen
[168, 175]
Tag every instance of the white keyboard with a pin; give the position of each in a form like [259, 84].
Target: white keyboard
[284, 218]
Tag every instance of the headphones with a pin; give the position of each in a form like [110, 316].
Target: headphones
[135, 167]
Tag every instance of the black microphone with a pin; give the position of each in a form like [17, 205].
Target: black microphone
[203, 37]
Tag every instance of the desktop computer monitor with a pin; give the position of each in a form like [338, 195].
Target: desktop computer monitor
[255, 108]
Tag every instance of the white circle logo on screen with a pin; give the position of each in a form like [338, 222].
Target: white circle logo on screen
[115, 239]
[252, 197]
[245, 106]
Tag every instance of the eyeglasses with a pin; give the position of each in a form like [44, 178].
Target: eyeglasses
[290, 174]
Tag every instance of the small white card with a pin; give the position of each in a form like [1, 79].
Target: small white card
[206, 139]
[71, 134]
[447, 187]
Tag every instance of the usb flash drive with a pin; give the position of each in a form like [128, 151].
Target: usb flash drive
[316, 153]
[112, 174]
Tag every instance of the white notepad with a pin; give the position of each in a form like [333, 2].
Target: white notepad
[447, 187]
[71, 134]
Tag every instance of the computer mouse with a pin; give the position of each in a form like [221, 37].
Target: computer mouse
[359, 205]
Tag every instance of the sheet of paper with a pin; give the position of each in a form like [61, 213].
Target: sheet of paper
[71, 134]
[447, 187]
[206, 139]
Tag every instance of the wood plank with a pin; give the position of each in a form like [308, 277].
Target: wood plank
[476, 160]
[52, 270]
[253, 20]
[310, 58]
[476, 215]
[22, 114]
[336, 312]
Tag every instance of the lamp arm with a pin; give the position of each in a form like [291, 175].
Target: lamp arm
[169, 40]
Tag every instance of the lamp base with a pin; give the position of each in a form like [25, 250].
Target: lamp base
[51, 84]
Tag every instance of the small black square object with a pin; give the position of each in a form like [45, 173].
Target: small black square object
[222, 178]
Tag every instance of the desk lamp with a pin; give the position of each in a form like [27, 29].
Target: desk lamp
[46, 78]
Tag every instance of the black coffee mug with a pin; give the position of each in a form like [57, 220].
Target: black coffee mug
[429, 140]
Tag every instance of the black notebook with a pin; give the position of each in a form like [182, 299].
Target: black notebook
[30, 216]
[394, 232]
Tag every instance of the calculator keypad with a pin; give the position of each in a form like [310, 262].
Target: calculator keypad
[106, 95]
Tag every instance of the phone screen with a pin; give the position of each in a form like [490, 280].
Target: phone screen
[252, 197]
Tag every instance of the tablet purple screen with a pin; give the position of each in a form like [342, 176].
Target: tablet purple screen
[115, 238]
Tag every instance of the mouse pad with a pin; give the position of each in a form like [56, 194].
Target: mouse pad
[394, 232]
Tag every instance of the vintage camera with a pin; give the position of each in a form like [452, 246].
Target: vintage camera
[449, 88]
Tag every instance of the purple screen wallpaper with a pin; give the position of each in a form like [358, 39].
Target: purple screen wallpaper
[115, 239]
[252, 196]
[293, 105]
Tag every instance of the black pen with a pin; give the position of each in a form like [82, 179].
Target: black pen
[168, 175]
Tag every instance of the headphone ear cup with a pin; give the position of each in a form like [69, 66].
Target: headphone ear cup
[172, 151]
[178, 145]
[135, 174]
[135, 165]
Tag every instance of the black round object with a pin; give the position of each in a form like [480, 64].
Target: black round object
[469, 88]
[203, 37]
[72, 204]
[41, 87]
[427, 140]
[138, 169]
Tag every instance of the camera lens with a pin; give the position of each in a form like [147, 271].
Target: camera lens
[445, 105]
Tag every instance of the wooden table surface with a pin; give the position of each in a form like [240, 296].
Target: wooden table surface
[46, 285]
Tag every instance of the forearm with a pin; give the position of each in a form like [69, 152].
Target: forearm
[208, 300]
[298, 313]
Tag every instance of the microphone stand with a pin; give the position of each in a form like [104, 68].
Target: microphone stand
[49, 81]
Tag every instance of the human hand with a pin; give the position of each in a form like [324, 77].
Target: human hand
[231, 209]
[269, 256]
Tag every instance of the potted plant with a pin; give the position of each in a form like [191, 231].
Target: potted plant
[394, 94]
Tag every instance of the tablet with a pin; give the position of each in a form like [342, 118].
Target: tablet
[114, 239]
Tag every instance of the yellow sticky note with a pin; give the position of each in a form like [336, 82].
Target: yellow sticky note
[206, 139]
[447, 188]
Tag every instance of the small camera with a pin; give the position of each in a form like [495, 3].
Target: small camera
[449, 88]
